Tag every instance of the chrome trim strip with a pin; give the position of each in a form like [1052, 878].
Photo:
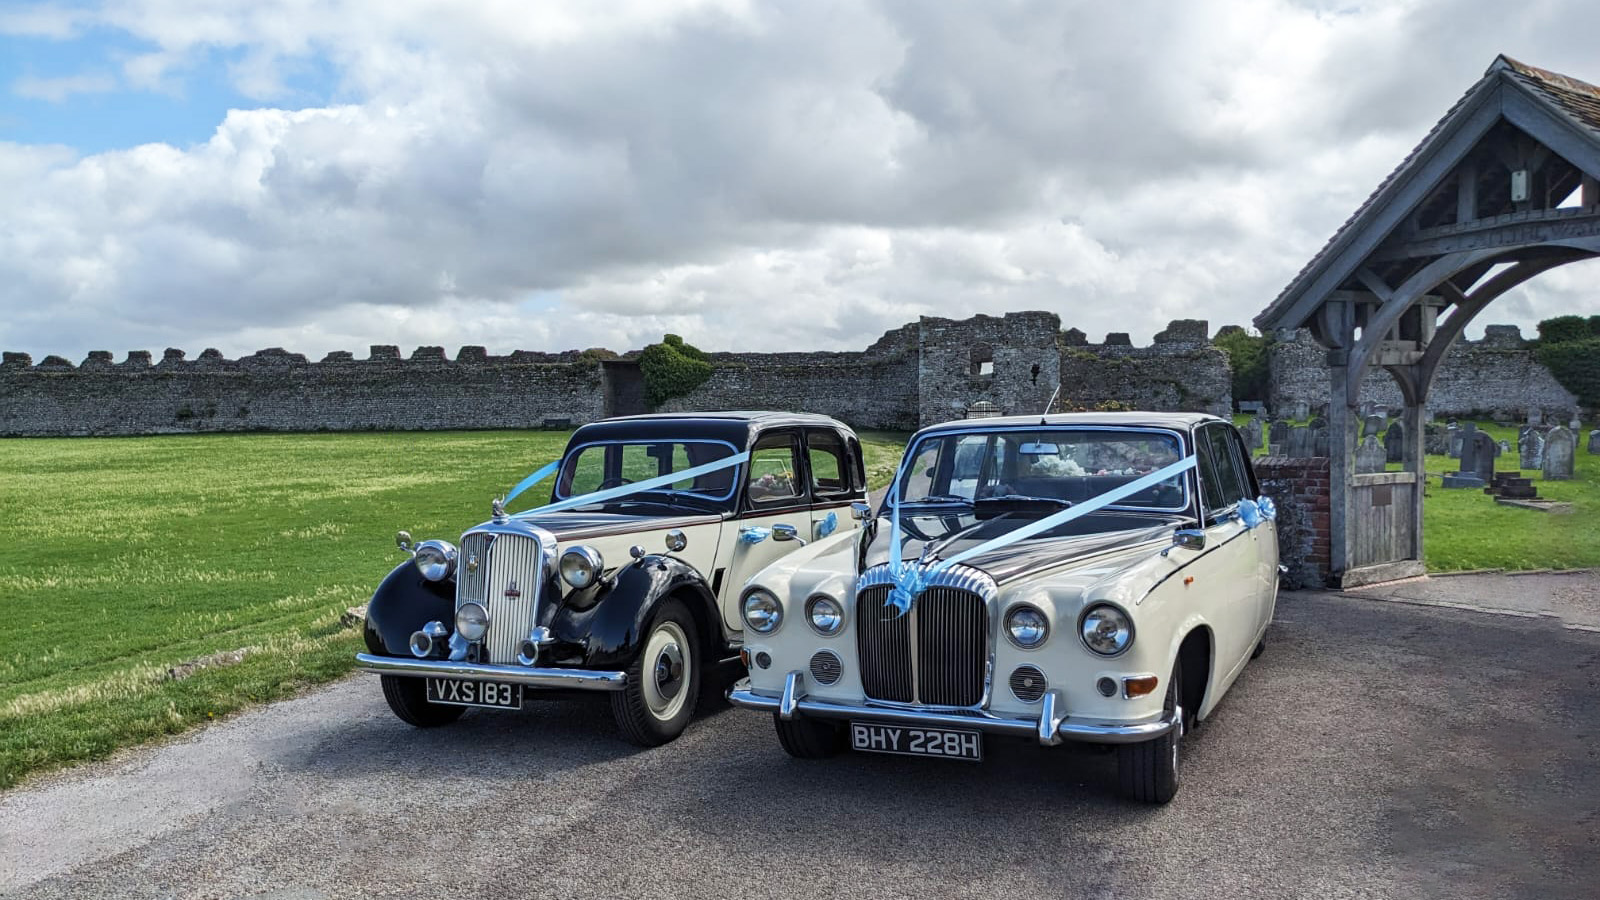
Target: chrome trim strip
[958, 577]
[791, 696]
[578, 679]
[1049, 722]
[1068, 729]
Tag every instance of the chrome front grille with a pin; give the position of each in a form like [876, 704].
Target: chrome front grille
[506, 582]
[935, 655]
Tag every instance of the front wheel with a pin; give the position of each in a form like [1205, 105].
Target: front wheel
[663, 681]
[809, 738]
[1148, 771]
[409, 700]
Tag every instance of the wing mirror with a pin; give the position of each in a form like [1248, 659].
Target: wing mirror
[859, 511]
[676, 541]
[787, 533]
[1188, 539]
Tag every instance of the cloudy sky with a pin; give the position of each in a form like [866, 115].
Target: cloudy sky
[777, 175]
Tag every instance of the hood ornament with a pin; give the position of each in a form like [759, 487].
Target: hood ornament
[497, 507]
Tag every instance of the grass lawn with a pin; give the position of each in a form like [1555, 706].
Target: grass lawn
[1466, 529]
[121, 558]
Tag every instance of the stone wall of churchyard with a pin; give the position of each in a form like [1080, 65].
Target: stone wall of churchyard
[926, 372]
[1498, 376]
[278, 391]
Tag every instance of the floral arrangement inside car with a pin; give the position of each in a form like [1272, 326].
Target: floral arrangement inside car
[1088, 577]
[626, 582]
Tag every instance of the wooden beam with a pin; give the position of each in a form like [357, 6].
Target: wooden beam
[1509, 231]
[1467, 192]
[1590, 197]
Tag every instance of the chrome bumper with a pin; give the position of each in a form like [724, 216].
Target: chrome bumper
[578, 679]
[1052, 727]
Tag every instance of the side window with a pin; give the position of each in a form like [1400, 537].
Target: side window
[1247, 474]
[773, 469]
[919, 475]
[1224, 483]
[830, 464]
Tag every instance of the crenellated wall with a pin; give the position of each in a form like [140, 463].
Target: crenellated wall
[1499, 375]
[1179, 371]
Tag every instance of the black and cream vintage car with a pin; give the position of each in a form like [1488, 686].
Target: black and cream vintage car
[1085, 577]
[625, 582]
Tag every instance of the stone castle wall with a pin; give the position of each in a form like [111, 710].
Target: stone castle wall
[1499, 375]
[1180, 371]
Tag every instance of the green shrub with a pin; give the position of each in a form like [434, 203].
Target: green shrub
[672, 369]
[1563, 329]
[1575, 364]
[1247, 357]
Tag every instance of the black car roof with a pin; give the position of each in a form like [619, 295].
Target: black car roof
[736, 426]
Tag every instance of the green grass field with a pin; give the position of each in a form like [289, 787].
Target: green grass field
[122, 558]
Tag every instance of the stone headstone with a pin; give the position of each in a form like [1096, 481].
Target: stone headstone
[1298, 442]
[1535, 417]
[1560, 448]
[1394, 441]
[1594, 441]
[1319, 442]
[1370, 456]
[1531, 449]
[1505, 447]
[1574, 425]
[1372, 426]
[1278, 432]
[1252, 434]
[1484, 451]
[1463, 451]
[1522, 433]
[1435, 440]
[1456, 439]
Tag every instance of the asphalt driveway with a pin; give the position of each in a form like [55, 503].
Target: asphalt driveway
[1378, 749]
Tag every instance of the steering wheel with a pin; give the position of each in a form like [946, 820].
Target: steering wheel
[619, 481]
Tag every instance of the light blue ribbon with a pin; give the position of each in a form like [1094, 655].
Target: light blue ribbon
[911, 579]
[625, 490]
[533, 479]
[1254, 512]
[754, 534]
[828, 525]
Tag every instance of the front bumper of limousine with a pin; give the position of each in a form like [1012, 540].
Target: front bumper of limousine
[1052, 726]
[570, 679]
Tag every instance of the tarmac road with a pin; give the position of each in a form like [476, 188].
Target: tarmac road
[1377, 750]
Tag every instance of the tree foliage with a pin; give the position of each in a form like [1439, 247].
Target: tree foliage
[672, 369]
[1562, 329]
[1576, 365]
[1247, 357]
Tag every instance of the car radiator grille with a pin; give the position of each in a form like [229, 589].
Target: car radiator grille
[506, 563]
[936, 655]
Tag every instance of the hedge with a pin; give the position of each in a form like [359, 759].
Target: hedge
[672, 369]
[1576, 365]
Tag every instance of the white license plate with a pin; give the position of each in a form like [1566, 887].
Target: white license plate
[460, 692]
[945, 743]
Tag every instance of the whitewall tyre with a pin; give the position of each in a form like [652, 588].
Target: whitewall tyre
[663, 681]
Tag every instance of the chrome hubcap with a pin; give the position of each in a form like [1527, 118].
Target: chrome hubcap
[667, 676]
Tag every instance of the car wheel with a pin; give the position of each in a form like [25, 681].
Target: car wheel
[809, 738]
[663, 680]
[1148, 771]
[408, 698]
[1261, 647]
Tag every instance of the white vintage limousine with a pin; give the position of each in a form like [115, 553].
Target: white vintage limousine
[1086, 577]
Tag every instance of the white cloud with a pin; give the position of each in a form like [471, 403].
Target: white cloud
[752, 176]
[56, 90]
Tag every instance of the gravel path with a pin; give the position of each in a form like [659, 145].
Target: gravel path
[1376, 750]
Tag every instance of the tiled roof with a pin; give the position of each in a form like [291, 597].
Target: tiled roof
[1574, 99]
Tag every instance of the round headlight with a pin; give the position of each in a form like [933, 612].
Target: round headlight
[762, 611]
[580, 566]
[1106, 629]
[436, 560]
[1026, 627]
[472, 621]
[825, 614]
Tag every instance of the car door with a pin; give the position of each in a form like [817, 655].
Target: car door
[836, 478]
[1266, 538]
[1226, 572]
[774, 493]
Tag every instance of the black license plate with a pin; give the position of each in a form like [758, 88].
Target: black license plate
[460, 692]
[945, 743]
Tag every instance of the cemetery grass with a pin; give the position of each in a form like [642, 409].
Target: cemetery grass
[122, 559]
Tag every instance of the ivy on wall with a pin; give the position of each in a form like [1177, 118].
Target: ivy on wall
[1569, 346]
[1247, 356]
[672, 369]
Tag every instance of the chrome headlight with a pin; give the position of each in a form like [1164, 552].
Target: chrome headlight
[580, 566]
[472, 621]
[825, 614]
[1026, 627]
[436, 560]
[1106, 630]
[762, 611]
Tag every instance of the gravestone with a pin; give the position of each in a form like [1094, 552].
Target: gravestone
[1370, 456]
[1535, 417]
[1522, 434]
[1372, 426]
[1319, 442]
[1505, 447]
[1471, 452]
[1252, 434]
[1594, 441]
[1531, 450]
[1435, 440]
[1394, 441]
[1560, 448]
[1457, 438]
[1298, 443]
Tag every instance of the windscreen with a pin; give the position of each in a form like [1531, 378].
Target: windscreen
[596, 467]
[1054, 463]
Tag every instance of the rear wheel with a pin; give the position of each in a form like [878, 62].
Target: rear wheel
[809, 738]
[1148, 771]
[408, 698]
[663, 680]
